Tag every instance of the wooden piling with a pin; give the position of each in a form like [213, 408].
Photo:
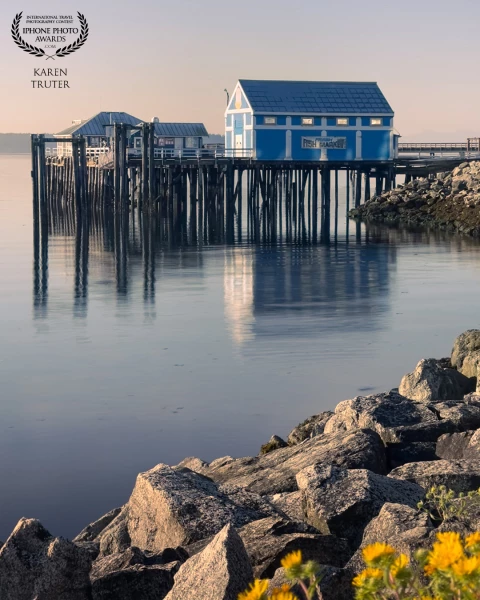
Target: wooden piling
[358, 189]
[336, 204]
[144, 170]
[34, 149]
[116, 163]
[151, 162]
[367, 185]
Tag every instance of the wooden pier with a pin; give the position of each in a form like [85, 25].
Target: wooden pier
[208, 194]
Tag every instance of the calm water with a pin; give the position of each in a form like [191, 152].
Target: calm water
[207, 353]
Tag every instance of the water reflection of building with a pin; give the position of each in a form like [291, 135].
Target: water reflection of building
[306, 290]
[238, 294]
[265, 287]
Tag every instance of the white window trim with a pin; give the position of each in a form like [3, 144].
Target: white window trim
[372, 124]
[308, 124]
[343, 119]
[274, 121]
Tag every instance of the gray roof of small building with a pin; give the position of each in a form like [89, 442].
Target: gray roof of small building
[180, 129]
[346, 97]
[96, 124]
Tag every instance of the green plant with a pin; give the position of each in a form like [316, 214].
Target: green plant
[442, 504]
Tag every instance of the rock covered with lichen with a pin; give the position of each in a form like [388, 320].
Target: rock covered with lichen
[450, 201]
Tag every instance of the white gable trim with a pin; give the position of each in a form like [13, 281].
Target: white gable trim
[230, 110]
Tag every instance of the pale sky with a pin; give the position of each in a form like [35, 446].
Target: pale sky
[173, 59]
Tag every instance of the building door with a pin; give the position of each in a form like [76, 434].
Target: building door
[238, 132]
[178, 146]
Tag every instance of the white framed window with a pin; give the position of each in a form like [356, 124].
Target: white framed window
[342, 121]
[191, 142]
[269, 120]
[307, 120]
[375, 122]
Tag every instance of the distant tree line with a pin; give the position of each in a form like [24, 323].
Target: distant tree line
[14, 143]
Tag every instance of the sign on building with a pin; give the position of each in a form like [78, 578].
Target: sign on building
[333, 143]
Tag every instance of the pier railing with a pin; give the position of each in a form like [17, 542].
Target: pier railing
[198, 153]
[472, 145]
[161, 153]
[440, 146]
[68, 151]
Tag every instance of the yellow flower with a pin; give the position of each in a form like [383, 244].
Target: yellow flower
[447, 551]
[472, 539]
[448, 537]
[365, 575]
[374, 552]
[294, 559]
[399, 563]
[256, 591]
[279, 594]
[285, 587]
[466, 566]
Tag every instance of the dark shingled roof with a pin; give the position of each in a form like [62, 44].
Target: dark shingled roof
[96, 125]
[337, 97]
[180, 129]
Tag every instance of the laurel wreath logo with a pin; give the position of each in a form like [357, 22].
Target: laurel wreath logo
[78, 43]
[22, 43]
[40, 52]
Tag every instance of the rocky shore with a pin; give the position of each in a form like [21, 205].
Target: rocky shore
[342, 480]
[450, 202]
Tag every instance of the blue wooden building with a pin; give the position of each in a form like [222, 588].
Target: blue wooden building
[310, 121]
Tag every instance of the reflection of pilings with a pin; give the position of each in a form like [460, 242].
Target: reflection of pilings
[121, 231]
[81, 267]
[40, 265]
[358, 232]
[148, 250]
